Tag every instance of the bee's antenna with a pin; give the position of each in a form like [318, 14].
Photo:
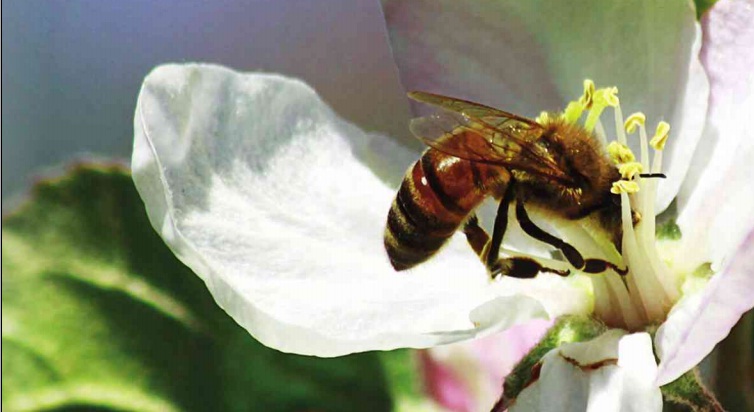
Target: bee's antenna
[652, 175]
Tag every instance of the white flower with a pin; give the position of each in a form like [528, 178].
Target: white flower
[265, 193]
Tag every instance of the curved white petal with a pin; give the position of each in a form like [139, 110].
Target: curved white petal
[717, 203]
[614, 372]
[698, 322]
[258, 186]
[529, 56]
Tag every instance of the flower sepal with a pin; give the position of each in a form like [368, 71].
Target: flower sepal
[567, 329]
[579, 354]
[688, 390]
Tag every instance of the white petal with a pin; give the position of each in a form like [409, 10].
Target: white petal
[717, 203]
[636, 358]
[687, 119]
[529, 56]
[614, 372]
[698, 322]
[257, 186]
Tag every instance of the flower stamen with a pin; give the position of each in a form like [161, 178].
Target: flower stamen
[661, 136]
[620, 132]
[650, 278]
[601, 99]
[624, 187]
[633, 121]
[620, 153]
[573, 112]
[630, 169]
[647, 292]
[586, 97]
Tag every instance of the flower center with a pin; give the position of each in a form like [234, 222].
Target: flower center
[650, 288]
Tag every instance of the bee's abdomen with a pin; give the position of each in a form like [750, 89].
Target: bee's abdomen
[436, 195]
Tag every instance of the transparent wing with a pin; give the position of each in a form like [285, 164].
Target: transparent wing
[470, 138]
[489, 115]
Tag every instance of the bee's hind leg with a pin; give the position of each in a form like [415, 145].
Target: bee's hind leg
[488, 249]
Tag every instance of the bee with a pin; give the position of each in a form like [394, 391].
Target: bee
[474, 152]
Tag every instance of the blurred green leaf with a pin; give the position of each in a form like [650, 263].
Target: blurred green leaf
[733, 381]
[702, 6]
[404, 377]
[99, 315]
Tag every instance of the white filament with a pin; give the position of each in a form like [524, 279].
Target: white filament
[650, 284]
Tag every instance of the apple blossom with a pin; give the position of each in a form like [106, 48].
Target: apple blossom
[267, 195]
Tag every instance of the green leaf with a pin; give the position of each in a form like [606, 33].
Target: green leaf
[99, 315]
[404, 377]
[702, 6]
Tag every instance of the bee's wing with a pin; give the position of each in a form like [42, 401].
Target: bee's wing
[470, 138]
[490, 115]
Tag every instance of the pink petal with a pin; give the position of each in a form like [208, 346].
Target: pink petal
[698, 322]
[499, 353]
[444, 385]
[728, 52]
[468, 376]
[474, 50]
[717, 200]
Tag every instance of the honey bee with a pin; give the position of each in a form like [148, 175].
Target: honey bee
[475, 152]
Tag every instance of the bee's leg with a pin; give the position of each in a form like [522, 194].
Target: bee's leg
[522, 268]
[475, 235]
[498, 231]
[488, 249]
[571, 254]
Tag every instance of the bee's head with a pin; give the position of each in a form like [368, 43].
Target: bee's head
[583, 160]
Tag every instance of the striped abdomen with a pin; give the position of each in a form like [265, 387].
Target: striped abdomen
[437, 194]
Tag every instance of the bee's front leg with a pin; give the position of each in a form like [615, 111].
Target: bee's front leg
[488, 249]
[571, 254]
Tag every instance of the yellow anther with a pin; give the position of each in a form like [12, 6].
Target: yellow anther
[661, 136]
[635, 120]
[630, 169]
[573, 112]
[601, 99]
[543, 118]
[624, 186]
[587, 97]
[620, 153]
[607, 96]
